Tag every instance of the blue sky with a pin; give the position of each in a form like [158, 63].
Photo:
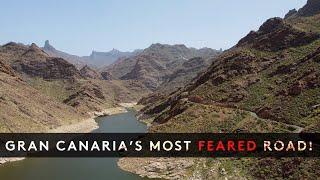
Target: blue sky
[80, 26]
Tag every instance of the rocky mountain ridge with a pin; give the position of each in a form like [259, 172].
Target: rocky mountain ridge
[96, 59]
[34, 62]
[25, 109]
[156, 63]
[38, 88]
[268, 82]
[311, 8]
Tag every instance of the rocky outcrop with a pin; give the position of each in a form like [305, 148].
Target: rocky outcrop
[89, 73]
[290, 13]
[275, 35]
[107, 76]
[7, 69]
[88, 97]
[51, 68]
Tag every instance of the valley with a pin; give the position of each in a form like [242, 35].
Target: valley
[268, 82]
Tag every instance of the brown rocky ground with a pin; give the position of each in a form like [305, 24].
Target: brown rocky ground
[45, 92]
[25, 109]
[273, 73]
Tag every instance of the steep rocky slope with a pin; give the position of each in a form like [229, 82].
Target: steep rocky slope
[32, 61]
[50, 91]
[310, 9]
[25, 109]
[268, 82]
[184, 73]
[278, 81]
[97, 95]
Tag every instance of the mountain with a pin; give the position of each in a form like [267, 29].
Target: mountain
[101, 59]
[33, 61]
[268, 82]
[156, 63]
[73, 59]
[39, 92]
[96, 59]
[87, 72]
[273, 72]
[310, 9]
[25, 109]
[184, 73]
[275, 34]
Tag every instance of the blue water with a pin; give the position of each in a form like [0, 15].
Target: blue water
[78, 168]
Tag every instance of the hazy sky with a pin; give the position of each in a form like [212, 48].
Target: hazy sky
[80, 26]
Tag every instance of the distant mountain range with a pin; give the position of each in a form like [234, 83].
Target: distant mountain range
[157, 63]
[153, 66]
[101, 59]
[96, 59]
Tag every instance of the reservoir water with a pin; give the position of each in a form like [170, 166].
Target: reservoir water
[78, 168]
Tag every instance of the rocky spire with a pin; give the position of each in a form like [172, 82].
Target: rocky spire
[47, 46]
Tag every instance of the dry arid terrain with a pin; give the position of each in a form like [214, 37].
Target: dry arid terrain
[40, 92]
[268, 82]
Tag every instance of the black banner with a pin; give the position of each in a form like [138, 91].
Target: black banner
[159, 145]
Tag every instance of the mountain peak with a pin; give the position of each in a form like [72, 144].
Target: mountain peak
[162, 46]
[36, 49]
[34, 46]
[311, 8]
[290, 13]
[48, 46]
